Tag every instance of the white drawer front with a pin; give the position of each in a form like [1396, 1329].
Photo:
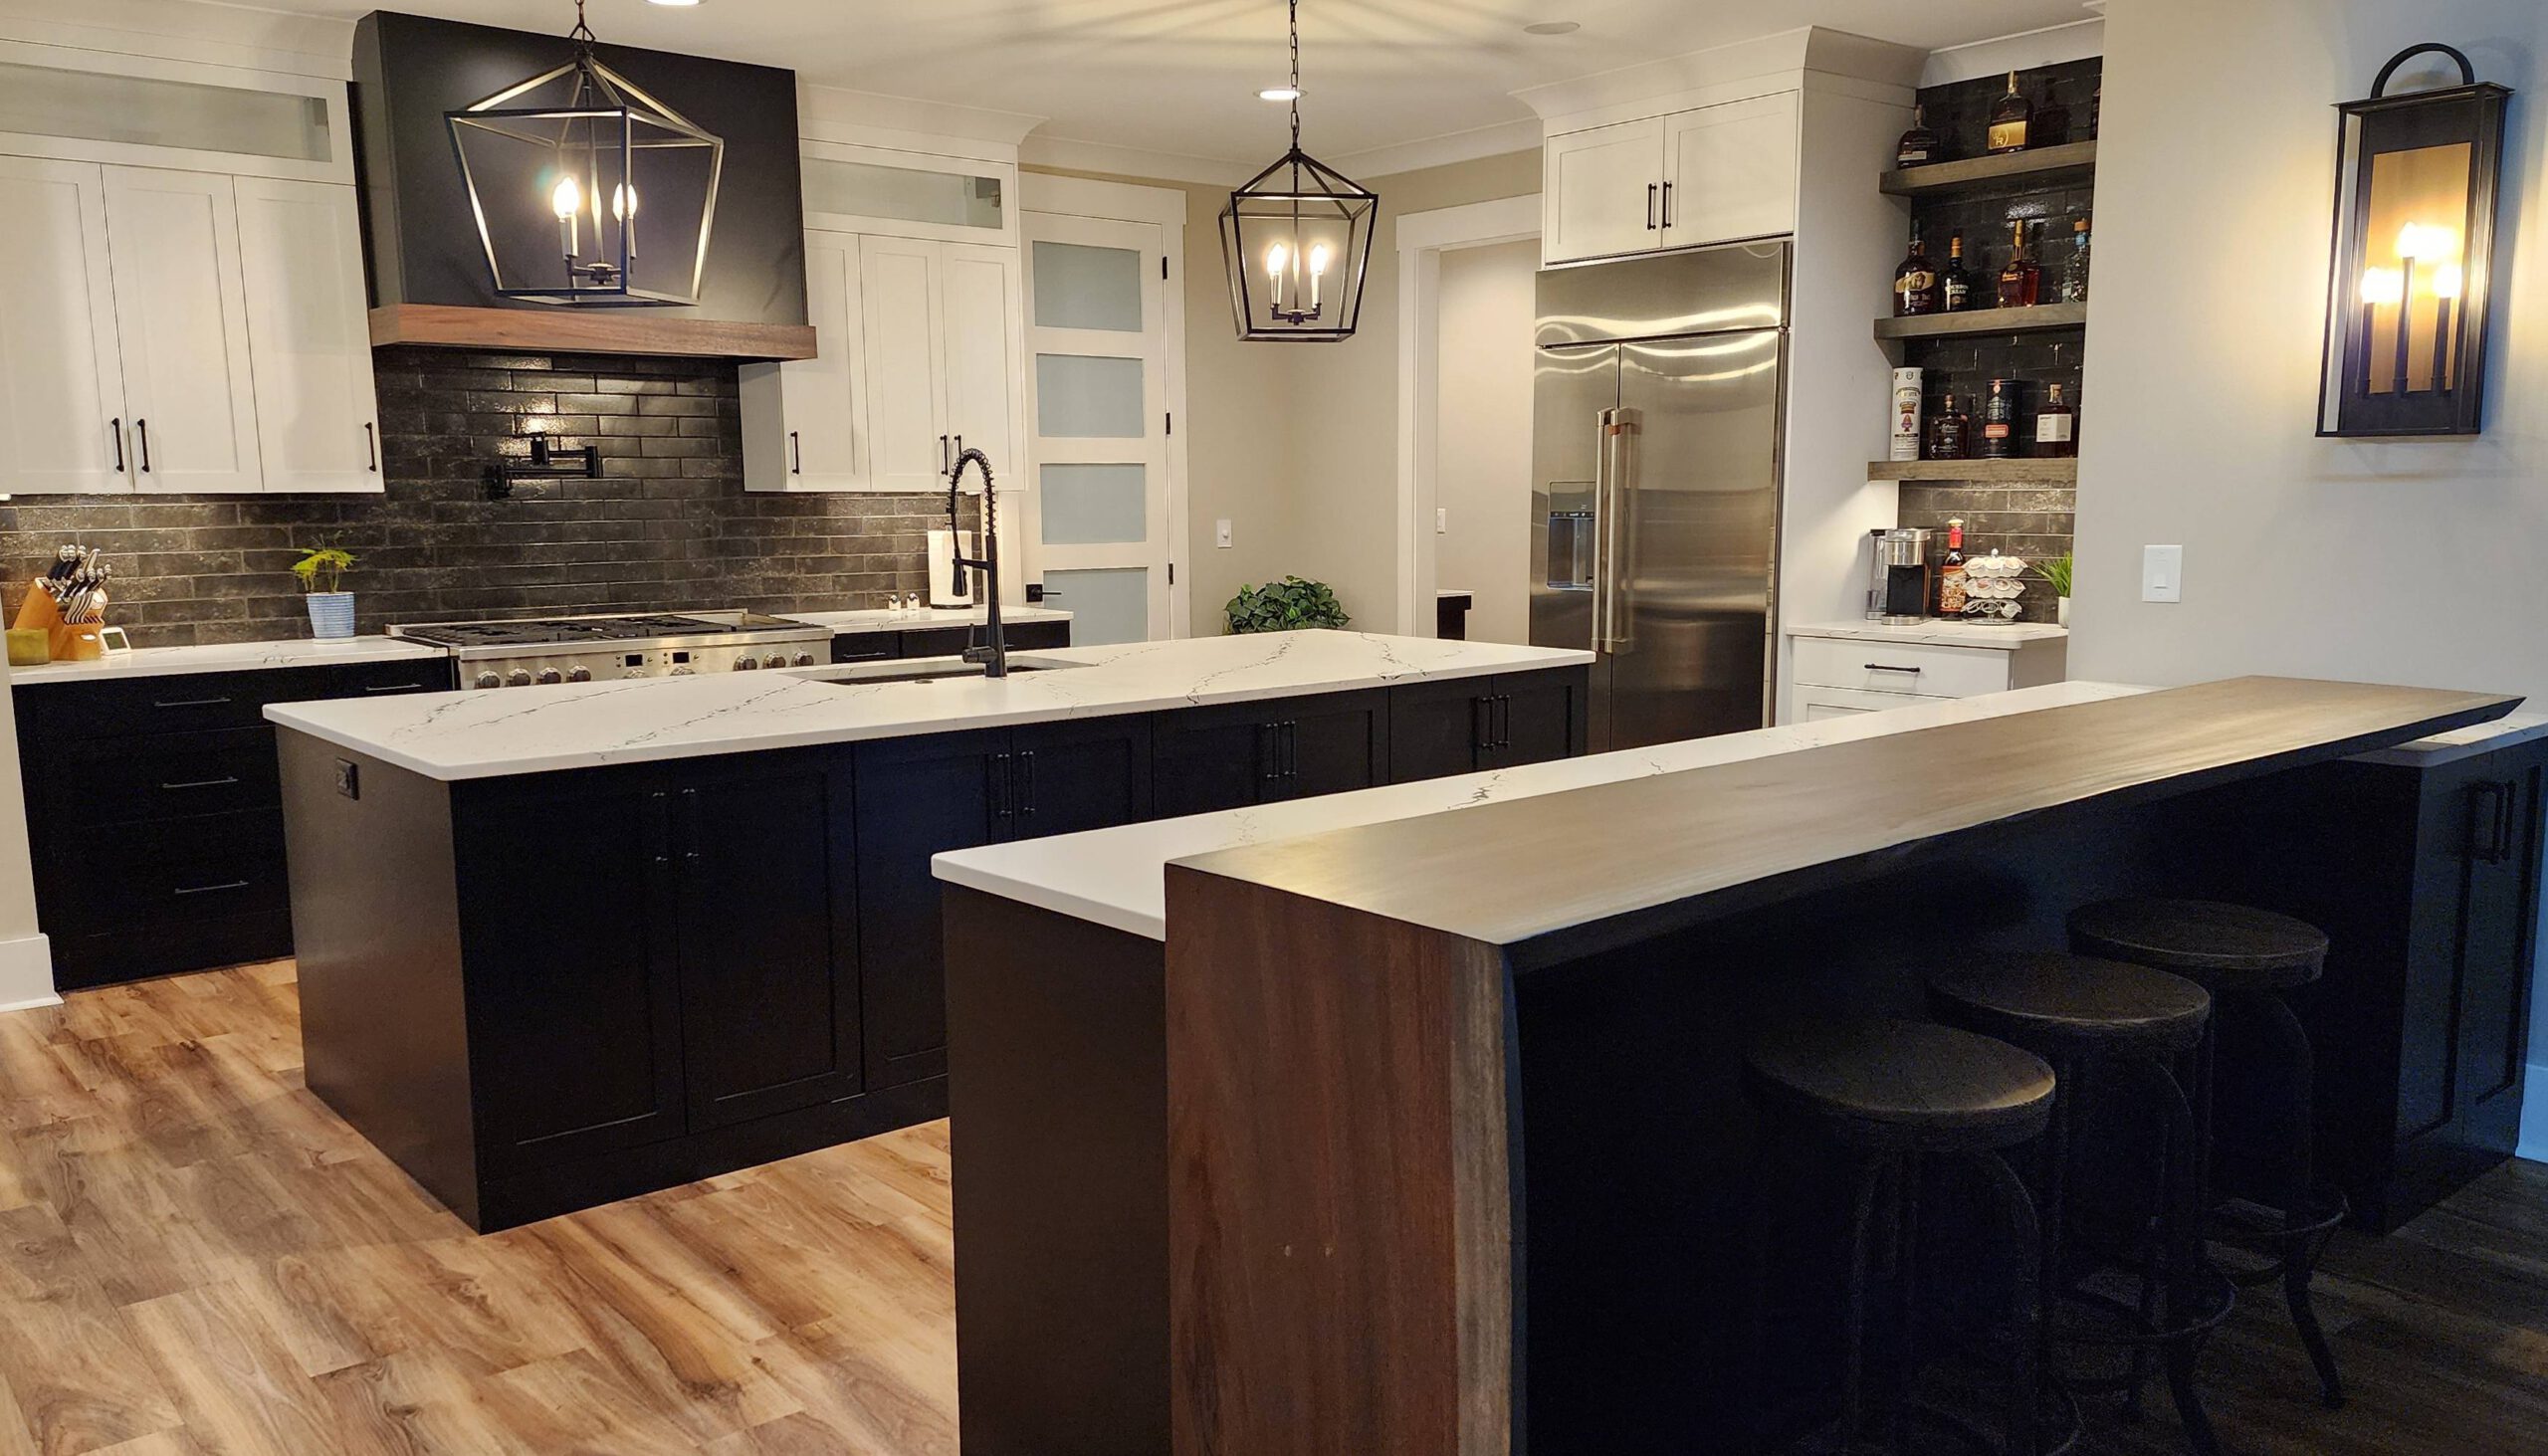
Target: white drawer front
[1908, 667]
[1819, 704]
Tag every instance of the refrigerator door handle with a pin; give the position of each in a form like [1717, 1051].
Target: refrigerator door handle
[1618, 473]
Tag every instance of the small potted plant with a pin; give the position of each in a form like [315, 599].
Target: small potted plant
[1288, 605]
[321, 570]
[2056, 574]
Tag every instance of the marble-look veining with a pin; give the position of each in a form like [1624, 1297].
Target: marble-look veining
[223, 657]
[1117, 877]
[880, 621]
[485, 734]
[2000, 636]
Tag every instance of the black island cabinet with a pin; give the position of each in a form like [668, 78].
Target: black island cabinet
[545, 992]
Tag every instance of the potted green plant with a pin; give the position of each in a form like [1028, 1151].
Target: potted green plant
[1288, 605]
[2056, 574]
[322, 571]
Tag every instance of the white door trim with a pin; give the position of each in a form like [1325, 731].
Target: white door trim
[1422, 239]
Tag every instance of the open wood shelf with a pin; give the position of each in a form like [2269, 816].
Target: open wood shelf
[1978, 472]
[2036, 320]
[1982, 173]
[588, 331]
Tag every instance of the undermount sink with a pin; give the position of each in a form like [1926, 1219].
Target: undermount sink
[927, 669]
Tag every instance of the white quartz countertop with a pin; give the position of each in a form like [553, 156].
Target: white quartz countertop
[1117, 877]
[2508, 732]
[224, 657]
[486, 734]
[2003, 636]
[883, 621]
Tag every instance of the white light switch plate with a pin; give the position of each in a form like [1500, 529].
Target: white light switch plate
[2163, 574]
[1222, 535]
[1441, 520]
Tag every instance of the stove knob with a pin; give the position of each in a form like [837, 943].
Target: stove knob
[744, 663]
[579, 674]
[490, 680]
[550, 675]
[634, 672]
[774, 660]
[805, 659]
[518, 678]
[685, 672]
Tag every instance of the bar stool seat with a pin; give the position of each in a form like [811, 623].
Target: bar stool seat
[2056, 1002]
[1903, 1086]
[2224, 947]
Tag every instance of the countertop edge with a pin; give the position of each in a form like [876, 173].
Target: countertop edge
[144, 662]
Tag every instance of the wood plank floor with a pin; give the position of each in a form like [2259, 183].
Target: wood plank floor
[196, 1257]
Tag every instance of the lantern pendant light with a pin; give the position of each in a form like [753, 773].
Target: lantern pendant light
[557, 166]
[1297, 241]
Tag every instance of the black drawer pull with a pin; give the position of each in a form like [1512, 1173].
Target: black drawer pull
[395, 687]
[194, 703]
[203, 783]
[211, 889]
[1881, 667]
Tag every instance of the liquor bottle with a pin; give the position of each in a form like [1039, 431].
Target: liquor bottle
[1950, 432]
[2096, 108]
[2057, 426]
[2012, 119]
[2074, 269]
[1955, 285]
[1951, 595]
[1919, 147]
[1915, 283]
[2000, 421]
[2011, 286]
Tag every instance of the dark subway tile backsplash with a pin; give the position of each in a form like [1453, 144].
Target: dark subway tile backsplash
[668, 526]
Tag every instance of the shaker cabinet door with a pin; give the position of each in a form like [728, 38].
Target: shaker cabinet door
[309, 335]
[914, 798]
[1604, 192]
[62, 416]
[900, 284]
[1537, 717]
[985, 348]
[1332, 743]
[1436, 729]
[1731, 172]
[181, 316]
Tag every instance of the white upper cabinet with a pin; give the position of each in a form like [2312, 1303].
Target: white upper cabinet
[181, 319]
[806, 421]
[1730, 171]
[1713, 175]
[61, 377]
[309, 337]
[907, 360]
[1603, 191]
[986, 352]
[877, 189]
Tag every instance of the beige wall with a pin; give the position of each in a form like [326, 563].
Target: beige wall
[1482, 455]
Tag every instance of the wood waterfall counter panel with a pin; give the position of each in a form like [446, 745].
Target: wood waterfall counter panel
[1387, 1043]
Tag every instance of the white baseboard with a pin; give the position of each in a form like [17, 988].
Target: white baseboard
[26, 974]
[2534, 1115]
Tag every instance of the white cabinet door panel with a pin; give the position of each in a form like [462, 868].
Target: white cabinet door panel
[826, 397]
[309, 335]
[984, 348]
[1732, 170]
[1603, 191]
[181, 319]
[61, 382]
[900, 288]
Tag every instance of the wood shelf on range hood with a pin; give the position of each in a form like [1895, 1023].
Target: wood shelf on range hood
[587, 331]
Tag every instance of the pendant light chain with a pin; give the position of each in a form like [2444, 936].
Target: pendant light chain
[1296, 73]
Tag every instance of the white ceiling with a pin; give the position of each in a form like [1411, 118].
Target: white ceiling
[1179, 76]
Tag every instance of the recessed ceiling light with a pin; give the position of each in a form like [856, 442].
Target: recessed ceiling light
[1551, 28]
[1279, 93]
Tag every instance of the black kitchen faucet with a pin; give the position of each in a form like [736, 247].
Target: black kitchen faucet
[994, 656]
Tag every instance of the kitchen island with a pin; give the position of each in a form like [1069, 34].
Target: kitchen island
[1423, 1130]
[560, 945]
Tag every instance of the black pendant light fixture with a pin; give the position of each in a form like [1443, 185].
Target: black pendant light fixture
[1296, 240]
[557, 166]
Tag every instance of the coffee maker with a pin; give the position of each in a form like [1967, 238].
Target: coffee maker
[1898, 580]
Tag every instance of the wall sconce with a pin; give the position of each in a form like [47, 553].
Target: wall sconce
[2414, 232]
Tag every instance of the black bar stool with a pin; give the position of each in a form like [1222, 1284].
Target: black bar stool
[2127, 1026]
[1894, 1093]
[2246, 958]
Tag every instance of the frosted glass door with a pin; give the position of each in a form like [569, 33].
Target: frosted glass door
[61, 386]
[181, 314]
[1102, 508]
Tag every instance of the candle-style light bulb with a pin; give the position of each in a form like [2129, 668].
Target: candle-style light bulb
[2448, 281]
[623, 202]
[1276, 258]
[566, 198]
[2382, 285]
[1318, 272]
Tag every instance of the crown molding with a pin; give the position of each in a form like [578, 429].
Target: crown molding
[1501, 139]
[1068, 154]
[2076, 40]
[1732, 71]
[838, 113]
[189, 30]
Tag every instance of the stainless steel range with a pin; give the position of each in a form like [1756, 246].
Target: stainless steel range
[523, 654]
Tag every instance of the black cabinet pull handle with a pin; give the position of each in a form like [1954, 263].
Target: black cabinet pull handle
[1667, 204]
[1004, 786]
[1291, 749]
[1649, 207]
[201, 784]
[193, 701]
[371, 447]
[1269, 751]
[659, 827]
[210, 889]
[1878, 667]
[1026, 784]
[1482, 723]
[114, 427]
[690, 826]
[143, 428]
[2491, 822]
[393, 687]
[1504, 720]
[797, 453]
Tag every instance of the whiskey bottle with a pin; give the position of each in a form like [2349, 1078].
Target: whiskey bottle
[1919, 147]
[2011, 290]
[2000, 421]
[1955, 285]
[2074, 269]
[2012, 119]
[1915, 283]
[2057, 426]
[1950, 432]
[1951, 595]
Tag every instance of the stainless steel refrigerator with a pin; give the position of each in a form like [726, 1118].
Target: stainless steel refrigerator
[1654, 486]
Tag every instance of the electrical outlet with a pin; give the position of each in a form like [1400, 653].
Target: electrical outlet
[1222, 535]
[2163, 574]
[1441, 520]
[349, 778]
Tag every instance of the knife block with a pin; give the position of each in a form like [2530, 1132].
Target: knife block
[69, 642]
